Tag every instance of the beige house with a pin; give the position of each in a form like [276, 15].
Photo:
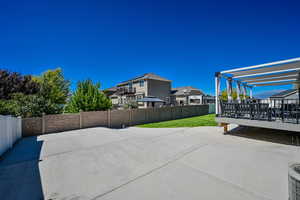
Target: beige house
[187, 96]
[135, 90]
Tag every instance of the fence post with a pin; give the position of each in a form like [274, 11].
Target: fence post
[8, 131]
[108, 118]
[130, 117]
[80, 119]
[19, 127]
[43, 124]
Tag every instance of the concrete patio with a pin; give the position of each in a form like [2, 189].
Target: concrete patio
[139, 163]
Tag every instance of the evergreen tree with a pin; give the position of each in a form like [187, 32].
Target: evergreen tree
[88, 97]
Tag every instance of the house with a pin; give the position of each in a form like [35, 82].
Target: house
[187, 96]
[286, 94]
[290, 96]
[208, 99]
[139, 89]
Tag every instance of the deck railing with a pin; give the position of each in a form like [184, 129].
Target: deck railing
[287, 110]
[126, 90]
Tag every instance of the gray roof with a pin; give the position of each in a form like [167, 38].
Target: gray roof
[145, 76]
[284, 93]
[112, 89]
[187, 89]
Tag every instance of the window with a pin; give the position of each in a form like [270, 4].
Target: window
[142, 82]
[195, 101]
[140, 96]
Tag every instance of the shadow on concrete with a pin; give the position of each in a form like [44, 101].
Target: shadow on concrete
[19, 171]
[268, 135]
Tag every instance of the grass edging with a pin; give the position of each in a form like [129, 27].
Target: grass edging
[204, 120]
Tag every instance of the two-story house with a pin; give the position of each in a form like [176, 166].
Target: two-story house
[133, 90]
[187, 96]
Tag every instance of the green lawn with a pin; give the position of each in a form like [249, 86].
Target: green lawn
[205, 120]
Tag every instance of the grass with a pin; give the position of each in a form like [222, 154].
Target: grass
[205, 120]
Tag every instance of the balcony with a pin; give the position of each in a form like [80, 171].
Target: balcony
[126, 90]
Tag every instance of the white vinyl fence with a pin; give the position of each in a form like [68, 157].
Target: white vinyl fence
[10, 132]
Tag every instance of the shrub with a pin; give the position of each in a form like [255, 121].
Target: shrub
[23, 105]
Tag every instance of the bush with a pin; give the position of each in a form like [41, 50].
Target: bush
[23, 105]
[131, 105]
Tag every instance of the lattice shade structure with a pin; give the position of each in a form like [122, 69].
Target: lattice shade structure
[281, 113]
[285, 72]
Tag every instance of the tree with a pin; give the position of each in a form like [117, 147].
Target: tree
[54, 89]
[88, 97]
[13, 82]
[28, 96]
[224, 95]
[23, 105]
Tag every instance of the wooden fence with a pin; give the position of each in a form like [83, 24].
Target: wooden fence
[10, 132]
[110, 118]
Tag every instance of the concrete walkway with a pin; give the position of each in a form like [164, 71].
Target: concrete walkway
[142, 164]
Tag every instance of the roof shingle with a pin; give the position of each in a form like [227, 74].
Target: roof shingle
[151, 76]
[284, 93]
[187, 89]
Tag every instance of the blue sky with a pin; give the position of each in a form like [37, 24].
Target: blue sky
[111, 41]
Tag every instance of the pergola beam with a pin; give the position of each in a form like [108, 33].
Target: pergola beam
[256, 83]
[264, 73]
[274, 79]
[262, 65]
[269, 76]
[276, 83]
[268, 70]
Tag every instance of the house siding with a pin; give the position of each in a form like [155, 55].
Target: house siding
[159, 89]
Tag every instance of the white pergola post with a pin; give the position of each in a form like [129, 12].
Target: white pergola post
[244, 92]
[229, 89]
[238, 91]
[251, 94]
[298, 86]
[217, 92]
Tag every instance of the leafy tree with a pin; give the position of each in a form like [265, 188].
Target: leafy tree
[88, 97]
[28, 96]
[13, 82]
[54, 89]
[224, 95]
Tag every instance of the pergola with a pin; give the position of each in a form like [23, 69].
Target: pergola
[285, 72]
[253, 112]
